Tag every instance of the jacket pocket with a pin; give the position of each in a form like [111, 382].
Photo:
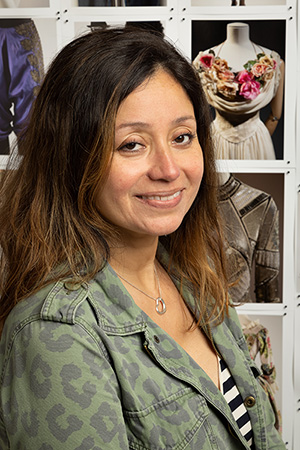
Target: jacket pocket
[172, 423]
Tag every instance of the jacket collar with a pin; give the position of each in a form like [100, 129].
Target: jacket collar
[115, 308]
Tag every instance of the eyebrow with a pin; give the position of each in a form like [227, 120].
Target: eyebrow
[147, 125]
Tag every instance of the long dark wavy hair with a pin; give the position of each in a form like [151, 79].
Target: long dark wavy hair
[50, 227]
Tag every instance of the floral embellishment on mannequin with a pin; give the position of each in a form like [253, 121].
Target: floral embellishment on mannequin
[246, 84]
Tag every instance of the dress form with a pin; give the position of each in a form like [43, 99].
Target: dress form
[238, 48]
[237, 129]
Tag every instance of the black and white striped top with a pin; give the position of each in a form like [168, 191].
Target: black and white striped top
[235, 402]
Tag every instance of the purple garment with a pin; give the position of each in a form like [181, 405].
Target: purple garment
[21, 72]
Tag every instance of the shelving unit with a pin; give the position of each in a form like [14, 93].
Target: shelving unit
[59, 21]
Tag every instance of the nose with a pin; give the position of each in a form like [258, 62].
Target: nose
[164, 165]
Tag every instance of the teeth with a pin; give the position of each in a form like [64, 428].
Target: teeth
[161, 198]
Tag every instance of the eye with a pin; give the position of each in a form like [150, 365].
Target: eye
[185, 138]
[131, 146]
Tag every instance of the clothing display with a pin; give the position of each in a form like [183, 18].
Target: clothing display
[120, 380]
[259, 344]
[237, 130]
[250, 218]
[21, 73]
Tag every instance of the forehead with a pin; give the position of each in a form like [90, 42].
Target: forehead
[160, 92]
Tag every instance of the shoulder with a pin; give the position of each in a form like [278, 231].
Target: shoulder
[56, 302]
[247, 197]
[81, 311]
[60, 303]
[55, 367]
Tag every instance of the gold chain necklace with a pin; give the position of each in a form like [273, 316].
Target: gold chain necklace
[160, 306]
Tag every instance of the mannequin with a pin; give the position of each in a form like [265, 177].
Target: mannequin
[237, 48]
[21, 72]
[250, 218]
[237, 129]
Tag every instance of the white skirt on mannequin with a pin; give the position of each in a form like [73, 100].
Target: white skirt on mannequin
[248, 140]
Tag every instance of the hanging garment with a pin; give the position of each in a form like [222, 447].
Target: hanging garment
[259, 345]
[237, 130]
[250, 218]
[21, 72]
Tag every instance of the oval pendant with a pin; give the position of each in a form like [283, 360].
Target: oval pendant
[160, 307]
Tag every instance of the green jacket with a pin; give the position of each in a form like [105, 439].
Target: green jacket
[87, 369]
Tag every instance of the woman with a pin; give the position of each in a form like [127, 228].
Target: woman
[113, 288]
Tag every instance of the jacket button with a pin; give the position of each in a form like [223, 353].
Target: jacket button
[249, 401]
[156, 338]
[71, 286]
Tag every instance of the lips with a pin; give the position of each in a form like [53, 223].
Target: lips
[161, 198]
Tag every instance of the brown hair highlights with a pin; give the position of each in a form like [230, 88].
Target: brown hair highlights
[49, 222]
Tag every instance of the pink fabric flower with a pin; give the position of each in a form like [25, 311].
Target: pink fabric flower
[244, 76]
[207, 61]
[250, 89]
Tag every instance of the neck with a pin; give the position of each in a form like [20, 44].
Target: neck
[238, 34]
[237, 48]
[138, 271]
[135, 258]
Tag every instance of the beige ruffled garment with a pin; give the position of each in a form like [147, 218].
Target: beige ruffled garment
[250, 139]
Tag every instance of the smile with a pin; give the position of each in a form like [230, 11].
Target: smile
[161, 198]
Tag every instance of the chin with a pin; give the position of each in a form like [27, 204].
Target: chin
[164, 231]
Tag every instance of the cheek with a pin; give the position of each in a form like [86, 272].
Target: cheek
[117, 182]
[125, 178]
[195, 171]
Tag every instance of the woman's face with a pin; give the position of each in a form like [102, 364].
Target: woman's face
[157, 165]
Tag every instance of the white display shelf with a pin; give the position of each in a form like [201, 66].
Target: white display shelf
[248, 3]
[59, 21]
[251, 12]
